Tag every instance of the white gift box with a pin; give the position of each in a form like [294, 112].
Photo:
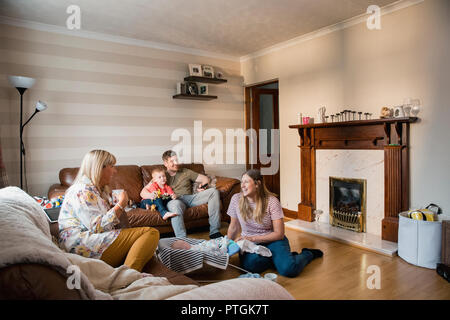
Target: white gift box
[419, 242]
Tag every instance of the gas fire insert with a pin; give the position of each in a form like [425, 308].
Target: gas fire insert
[348, 203]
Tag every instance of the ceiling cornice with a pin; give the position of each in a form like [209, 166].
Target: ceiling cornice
[329, 29]
[401, 4]
[117, 39]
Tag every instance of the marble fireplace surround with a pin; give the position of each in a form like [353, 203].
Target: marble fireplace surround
[353, 164]
[380, 147]
[358, 164]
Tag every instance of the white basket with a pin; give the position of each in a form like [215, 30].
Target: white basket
[419, 242]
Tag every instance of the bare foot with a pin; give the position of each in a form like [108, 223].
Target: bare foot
[169, 215]
[147, 206]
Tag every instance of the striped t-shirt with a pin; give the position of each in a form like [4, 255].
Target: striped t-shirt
[251, 227]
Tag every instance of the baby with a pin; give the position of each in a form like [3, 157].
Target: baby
[157, 192]
[215, 246]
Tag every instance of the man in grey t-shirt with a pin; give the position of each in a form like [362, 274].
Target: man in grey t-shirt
[181, 181]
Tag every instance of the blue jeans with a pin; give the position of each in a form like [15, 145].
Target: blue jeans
[161, 205]
[210, 196]
[283, 260]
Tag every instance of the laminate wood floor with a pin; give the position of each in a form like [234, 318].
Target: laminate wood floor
[342, 273]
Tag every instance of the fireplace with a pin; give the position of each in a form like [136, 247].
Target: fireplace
[348, 203]
[390, 135]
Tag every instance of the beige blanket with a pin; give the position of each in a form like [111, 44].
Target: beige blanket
[25, 238]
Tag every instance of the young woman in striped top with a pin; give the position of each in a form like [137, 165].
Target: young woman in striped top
[257, 215]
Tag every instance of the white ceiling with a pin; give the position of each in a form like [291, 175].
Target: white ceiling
[229, 27]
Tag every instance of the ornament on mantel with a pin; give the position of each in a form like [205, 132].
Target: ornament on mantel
[321, 114]
[386, 113]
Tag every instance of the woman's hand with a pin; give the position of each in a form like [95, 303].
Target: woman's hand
[275, 235]
[249, 238]
[123, 199]
[233, 229]
[174, 196]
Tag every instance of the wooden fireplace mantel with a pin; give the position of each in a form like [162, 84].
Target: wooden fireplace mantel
[390, 135]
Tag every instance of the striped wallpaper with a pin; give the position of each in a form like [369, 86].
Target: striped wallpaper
[104, 95]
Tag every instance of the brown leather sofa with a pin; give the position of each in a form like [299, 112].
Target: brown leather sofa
[133, 178]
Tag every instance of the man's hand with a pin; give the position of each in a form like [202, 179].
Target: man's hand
[202, 187]
[153, 195]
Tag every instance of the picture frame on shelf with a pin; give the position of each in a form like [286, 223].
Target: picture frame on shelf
[195, 70]
[208, 72]
[181, 88]
[202, 89]
[192, 88]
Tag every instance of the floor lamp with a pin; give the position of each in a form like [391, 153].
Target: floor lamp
[22, 84]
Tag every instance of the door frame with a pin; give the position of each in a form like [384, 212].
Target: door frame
[248, 100]
[253, 113]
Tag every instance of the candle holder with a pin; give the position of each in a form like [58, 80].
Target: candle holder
[360, 115]
[332, 118]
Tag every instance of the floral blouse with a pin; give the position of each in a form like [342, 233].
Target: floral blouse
[86, 221]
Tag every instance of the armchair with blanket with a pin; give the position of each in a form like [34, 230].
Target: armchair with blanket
[32, 266]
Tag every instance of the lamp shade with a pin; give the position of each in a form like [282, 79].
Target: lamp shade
[21, 82]
[41, 106]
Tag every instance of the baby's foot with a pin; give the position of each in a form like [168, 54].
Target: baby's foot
[147, 206]
[169, 215]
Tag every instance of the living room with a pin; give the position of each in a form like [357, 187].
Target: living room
[109, 75]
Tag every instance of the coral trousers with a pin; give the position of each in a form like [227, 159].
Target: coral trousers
[133, 247]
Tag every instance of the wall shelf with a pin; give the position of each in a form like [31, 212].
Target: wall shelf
[204, 79]
[198, 96]
[194, 97]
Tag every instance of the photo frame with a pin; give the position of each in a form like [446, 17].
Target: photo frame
[202, 89]
[208, 71]
[191, 88]
[181, 88]
[195, 70]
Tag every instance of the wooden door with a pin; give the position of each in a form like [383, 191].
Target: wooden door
[264, 115]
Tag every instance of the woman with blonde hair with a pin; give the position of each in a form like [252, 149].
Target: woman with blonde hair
[87, 220]
[257, 214]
